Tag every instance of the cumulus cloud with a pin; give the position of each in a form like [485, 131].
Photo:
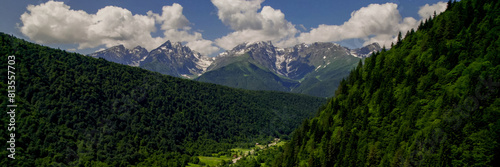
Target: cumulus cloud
[428, 10]
[48, 23]
[55, 23]
[203, 46]
[251, 25]
[176, 28]
[171, 17]
[239, 14]
[374, 23]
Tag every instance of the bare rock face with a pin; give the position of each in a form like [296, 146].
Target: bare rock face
[169, 58]
[176, 60]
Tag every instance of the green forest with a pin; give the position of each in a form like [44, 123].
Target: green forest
[433, 99]
[75, 110]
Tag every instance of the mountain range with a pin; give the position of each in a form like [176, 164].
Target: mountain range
[172, 59]
[313, 69]
[80, 111]
[433, 99]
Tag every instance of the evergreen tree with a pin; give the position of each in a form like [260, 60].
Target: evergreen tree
[434, 100]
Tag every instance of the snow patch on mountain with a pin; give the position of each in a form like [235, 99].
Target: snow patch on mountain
[289, 62]
[203, 62]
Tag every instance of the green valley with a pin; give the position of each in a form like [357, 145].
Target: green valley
[75, 110]
[257, 89]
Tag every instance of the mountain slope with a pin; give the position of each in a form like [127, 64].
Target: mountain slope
[366, 51]
[432, 100]
[313, 69]
[331, 65]
[170, 58]
[247, 74]
[75, 110]
[320, 65]
[325, 80]
[176, 60]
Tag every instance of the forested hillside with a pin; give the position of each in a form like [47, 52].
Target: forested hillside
[75, 110]
[431, 100]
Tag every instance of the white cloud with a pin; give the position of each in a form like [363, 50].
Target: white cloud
[114, 25]
[239, 14]
[374, 23]
[250, 25]
[203, 46]
[49, 23]
[55, 23]
[176, 29]
[101, 49]
[172, 17]
[428, 10]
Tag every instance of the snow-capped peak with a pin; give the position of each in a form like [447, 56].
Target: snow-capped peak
[365, 51]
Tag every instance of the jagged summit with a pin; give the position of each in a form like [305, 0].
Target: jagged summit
[246, 47]
[366, 51]
[122, 55]
[290, 62]
[175, 47]
[309, 66]
[172, 58]
[170, 44]
[118, 48]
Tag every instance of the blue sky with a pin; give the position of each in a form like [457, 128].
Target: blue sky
[210, 26]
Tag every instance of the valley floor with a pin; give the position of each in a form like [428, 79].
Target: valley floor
[237, 154]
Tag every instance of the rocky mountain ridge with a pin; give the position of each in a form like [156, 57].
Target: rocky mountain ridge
[294, 62]
[171, 58]
[313, 69]
[122, 55]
